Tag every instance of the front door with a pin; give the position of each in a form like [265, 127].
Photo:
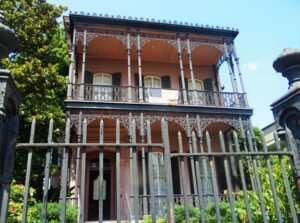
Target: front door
[93, 211]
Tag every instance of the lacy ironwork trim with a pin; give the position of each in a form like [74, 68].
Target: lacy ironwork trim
[187, 122]
[195, 44]
[92, 35]
[146, 39]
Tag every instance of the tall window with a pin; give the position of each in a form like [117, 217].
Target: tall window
[152, 82]
[102, 93]
[198, 83]
[196, 97]
[206, 178]
[159, 181]
[102, 79]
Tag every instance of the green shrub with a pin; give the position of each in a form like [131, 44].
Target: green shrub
[210, 212]
[16, 201]
[179, 215]
[53, 215]
[239, 209]
[194, 214]
[148, 219]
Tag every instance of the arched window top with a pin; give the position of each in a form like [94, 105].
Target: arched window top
[199, 84]
[102, 79]
[152, 82]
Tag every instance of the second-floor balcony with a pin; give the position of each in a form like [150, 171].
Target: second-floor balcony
[133, 94]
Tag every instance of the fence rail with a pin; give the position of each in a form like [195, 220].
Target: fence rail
[244, 174]
[105, 93]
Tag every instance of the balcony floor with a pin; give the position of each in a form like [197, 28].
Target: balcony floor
[125, 106]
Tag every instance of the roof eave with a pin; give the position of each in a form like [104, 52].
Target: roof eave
[94, 20]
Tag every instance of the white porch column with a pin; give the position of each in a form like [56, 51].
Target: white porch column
[232, 77]
[189, 54]
[237, 62]
[81, 97]
[129, 94]
[141, 94]
[72, 65]
[179, 51]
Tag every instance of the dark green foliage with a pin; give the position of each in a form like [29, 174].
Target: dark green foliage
[53, 216]
[179, 215]
[210, 212]
[39, 67]
[240, 212]
[148, 219]
[258, 136]
[240, 205]
[40, 64]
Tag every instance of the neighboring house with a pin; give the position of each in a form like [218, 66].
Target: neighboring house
[146, 70]
[268, 134]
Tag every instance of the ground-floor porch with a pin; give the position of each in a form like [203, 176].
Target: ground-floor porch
[142, 171]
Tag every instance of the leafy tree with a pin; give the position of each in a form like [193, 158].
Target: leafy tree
[258, 136]
[39, 67]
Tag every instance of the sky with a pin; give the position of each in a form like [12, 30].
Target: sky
[266, 27]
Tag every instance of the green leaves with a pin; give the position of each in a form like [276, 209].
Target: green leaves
[41, 61]
[39, 67]
[53, 213]
[16, 201]
[34, 22]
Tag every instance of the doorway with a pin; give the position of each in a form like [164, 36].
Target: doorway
[93, 211]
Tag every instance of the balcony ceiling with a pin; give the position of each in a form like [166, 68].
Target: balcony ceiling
[206, 55]
[106, 47]
[155, 51]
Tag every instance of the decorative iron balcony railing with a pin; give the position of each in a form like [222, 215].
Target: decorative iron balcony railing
[105, 93]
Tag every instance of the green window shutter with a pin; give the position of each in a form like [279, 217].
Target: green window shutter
[143, 81]
[180, 87]
[136, 77]
[185, 82]
[166, 82]
[208, 85]
[88, 77]
[116, 79]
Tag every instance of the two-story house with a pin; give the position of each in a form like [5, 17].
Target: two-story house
[145, 70]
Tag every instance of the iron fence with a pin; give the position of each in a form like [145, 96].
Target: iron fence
[246, 196]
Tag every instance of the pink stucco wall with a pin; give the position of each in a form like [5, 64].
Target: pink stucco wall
[109, 66]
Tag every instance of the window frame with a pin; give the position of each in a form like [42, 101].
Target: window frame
[102, 75]
[190, 83]
[152, 78]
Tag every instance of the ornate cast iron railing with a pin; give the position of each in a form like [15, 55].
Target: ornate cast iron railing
[104, 93]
